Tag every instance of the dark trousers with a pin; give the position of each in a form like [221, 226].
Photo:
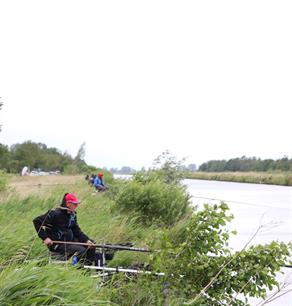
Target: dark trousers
[85, 255]
[100, 188]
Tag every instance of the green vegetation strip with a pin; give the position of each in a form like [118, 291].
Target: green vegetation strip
[282, 178]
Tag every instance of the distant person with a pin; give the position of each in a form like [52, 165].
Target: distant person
[92, 178]
[24, 171]
[87, 178]
[60, 224]
[99, 184]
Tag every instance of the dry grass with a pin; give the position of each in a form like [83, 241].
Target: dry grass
[39, 185]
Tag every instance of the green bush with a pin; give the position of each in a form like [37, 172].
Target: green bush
[135, 290]
[154, 201]
[201, 270]
[3, 180]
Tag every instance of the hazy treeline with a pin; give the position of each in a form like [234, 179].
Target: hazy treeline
[39, 156]
[245, 164]
[123, 170]
[129, 170]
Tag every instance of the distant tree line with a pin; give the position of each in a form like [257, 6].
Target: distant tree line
[129, 170]
[245, 164]
[39, 156]
[123, 170]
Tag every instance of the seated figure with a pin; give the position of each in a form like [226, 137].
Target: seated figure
[60, 225]
[98, 183]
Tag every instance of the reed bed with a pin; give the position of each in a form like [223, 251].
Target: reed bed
[271, 178]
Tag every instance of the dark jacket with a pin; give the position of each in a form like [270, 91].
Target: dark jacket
[59, 224]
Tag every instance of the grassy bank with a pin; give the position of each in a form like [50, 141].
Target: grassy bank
[147, 212]
[271, 178]
[27, 278]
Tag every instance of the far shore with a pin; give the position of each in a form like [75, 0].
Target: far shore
[271, 178]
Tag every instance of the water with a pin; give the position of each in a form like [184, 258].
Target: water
[252, 205]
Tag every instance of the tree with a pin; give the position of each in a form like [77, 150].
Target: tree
[5, 158]
[168, 167]
[201, 269]
[247, 164]
[192, 167]
[80, 154]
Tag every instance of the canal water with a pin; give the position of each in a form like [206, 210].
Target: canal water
[253, 206]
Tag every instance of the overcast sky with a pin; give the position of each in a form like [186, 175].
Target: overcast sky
[203, 79]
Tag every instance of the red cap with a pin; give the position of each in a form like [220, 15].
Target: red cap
[99, 174]
[71, 198]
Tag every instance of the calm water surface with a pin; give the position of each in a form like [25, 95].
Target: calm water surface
[252, 205]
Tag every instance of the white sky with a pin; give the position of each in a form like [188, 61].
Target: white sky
[203, 79]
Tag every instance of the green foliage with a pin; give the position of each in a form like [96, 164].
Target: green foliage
[46, 285]
[71, 169]
[39, 156]
[201, 269]
[154, 201]
[17, 232]
[3, 180]
[5, 157]
[244, 164]
[156, 195]
[272, 178]
[135, 291]
[168, 169]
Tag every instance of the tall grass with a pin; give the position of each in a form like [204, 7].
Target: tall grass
[46, 285]
[31, 284]
[271, 178]
[3, 180]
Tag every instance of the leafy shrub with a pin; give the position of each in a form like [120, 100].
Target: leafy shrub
[156, 195]
[154, 201]
[3, 180]
[134, 290]
[165, 168]
[71, 169]
[201, 270]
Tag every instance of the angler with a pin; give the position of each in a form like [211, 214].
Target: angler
[61, 224]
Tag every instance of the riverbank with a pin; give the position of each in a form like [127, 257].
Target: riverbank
[111, 218]
[271, 178]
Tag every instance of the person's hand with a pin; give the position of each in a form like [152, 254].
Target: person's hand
[48, 241]
[90, 242]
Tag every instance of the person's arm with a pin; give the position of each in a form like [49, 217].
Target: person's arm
[40, 222]
[77, 232]
[95, 182]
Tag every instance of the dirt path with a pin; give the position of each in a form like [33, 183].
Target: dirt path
[27, 185]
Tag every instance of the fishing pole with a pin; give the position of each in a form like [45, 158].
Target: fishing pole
[117, 270]
[104, 246]
[120, 247]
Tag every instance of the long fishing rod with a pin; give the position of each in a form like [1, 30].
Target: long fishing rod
[119, 247]
[104, 246]
[117, 270]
